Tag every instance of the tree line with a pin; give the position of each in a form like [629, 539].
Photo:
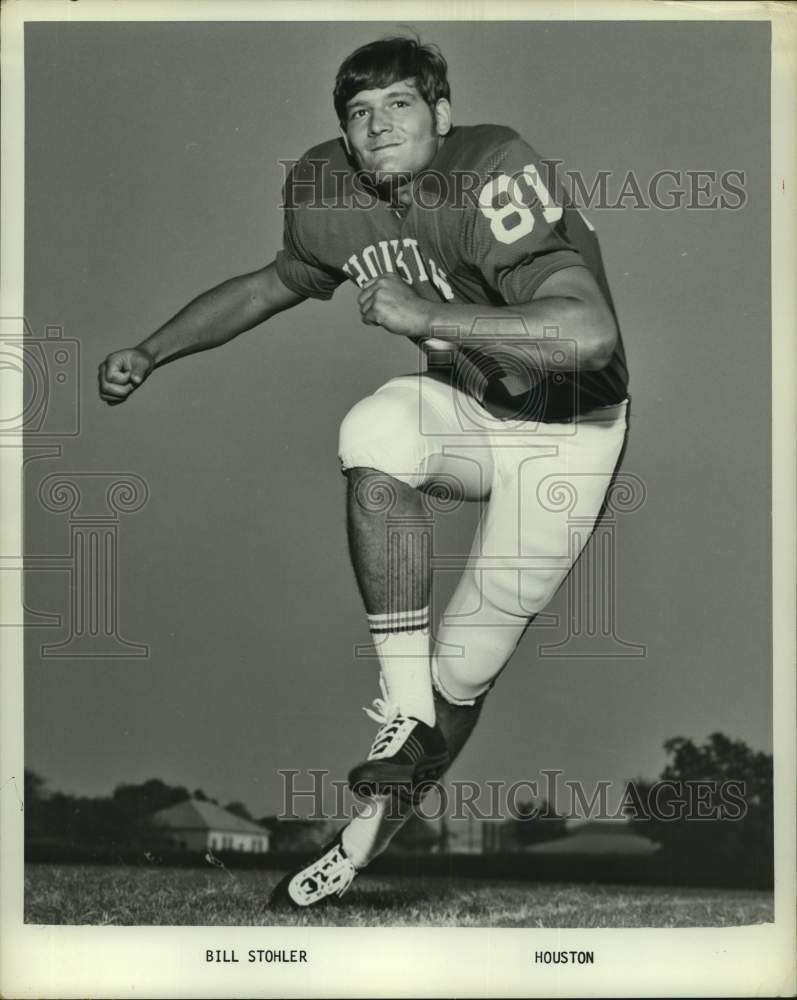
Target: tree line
[123, 820]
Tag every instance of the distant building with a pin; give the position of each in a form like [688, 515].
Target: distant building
[599, 836]
[194, 825]
[585, 837]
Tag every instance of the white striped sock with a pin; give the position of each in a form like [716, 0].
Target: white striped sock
[402, 643]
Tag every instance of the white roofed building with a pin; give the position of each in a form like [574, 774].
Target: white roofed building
[195, 825]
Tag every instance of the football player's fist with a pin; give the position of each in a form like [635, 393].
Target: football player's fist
[389, 302]
[122, 372]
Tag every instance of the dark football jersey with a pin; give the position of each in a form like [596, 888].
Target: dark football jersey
[333, 225]
[481, 228]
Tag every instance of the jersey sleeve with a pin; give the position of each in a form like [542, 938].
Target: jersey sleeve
[298, 267]
[514, 233]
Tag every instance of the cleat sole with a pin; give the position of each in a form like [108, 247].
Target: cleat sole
[384, 776]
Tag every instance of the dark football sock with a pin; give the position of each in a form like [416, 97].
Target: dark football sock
[457, 722]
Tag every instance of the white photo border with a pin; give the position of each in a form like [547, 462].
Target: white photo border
[62, 962]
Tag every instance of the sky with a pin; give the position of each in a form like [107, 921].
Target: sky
[152, 173]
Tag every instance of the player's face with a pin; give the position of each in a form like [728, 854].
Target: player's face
[393, 131]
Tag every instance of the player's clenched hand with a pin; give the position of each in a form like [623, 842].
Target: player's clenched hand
[122, 372]
[389, 302]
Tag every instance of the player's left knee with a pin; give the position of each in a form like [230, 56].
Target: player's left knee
[537, 590]
[455, 690]
[521, 593]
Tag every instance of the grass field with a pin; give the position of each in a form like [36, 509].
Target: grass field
[102, 894]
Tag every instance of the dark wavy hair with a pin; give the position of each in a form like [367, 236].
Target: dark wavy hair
[378, 64]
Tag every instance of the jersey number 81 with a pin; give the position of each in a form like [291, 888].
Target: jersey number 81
[513, 218]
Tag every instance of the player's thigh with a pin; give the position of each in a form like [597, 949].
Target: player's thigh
[409, 430]
[547, 496]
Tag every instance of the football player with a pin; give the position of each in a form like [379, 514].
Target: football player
[455, 239]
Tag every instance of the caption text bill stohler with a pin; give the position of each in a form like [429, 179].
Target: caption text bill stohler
[265, 955]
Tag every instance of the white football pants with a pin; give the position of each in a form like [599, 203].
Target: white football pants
[536, 480]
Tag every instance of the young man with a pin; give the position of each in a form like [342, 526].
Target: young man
[455, 241]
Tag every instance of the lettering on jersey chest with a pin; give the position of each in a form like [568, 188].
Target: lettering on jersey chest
[402, 257]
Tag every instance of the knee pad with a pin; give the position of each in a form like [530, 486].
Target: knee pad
[462, 680]
[522, 592]
[442, 692]
[382, 432]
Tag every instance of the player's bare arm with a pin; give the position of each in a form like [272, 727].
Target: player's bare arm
[210, 320]
[569, 299]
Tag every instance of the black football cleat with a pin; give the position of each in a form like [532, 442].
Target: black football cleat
[405, 754]
[323, 880]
